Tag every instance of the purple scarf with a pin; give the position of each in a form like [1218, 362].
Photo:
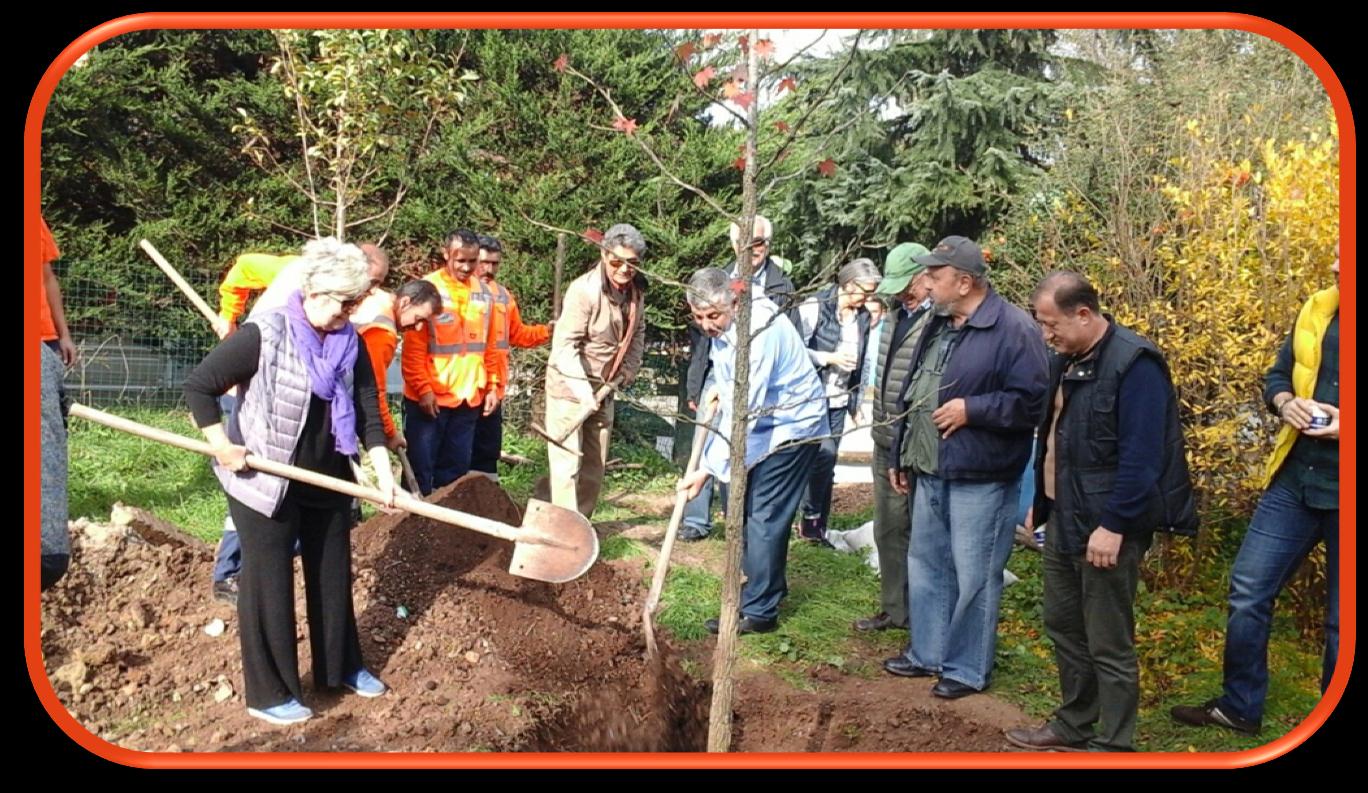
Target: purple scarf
[327, 359]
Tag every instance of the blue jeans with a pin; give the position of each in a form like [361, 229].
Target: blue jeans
[439, 448]
[1281, 534]
[961, 537]
[772, 493]
[488, 442]
[698, 511]
[817, 497]
[228, 559]
[1027, 498]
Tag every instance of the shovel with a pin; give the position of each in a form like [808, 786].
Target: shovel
[553, 544]
[176, 279]
[666, 548]
[583, 416]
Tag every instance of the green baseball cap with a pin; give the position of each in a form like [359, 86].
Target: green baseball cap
[901, 267]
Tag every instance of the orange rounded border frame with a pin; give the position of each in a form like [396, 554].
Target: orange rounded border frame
[32, 268]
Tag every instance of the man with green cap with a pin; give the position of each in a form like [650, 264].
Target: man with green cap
[904, 279]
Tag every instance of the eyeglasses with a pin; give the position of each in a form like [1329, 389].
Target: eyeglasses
[616, 263]
[348, 304]
[759, 242]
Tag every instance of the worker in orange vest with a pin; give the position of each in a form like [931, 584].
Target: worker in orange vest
[451, 374]
[379, 320]
[507, 331]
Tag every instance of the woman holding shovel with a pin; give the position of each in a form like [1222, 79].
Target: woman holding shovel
[305, 397]
[597, 346]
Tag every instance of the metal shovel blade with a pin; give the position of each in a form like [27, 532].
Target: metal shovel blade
[555, 544]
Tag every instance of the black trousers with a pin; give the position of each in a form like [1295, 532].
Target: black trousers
[266, 605]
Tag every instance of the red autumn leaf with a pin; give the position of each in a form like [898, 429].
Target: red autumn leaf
[738, 286]
[731, 89]
[562, 62]
[704, 77]
[711, 40]
[744, 41]
[782, 126]
[685, 51]
[592, 235]
[627, 125]
[739, 163]
[744, 100]
[764, 48]
[787, 84]
[827, 167]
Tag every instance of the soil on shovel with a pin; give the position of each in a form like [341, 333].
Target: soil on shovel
[476, 659]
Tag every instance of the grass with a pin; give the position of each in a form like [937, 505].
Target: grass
[1179, 635]
[107, 465]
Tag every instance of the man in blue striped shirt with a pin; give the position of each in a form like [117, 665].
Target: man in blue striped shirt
[786, 415]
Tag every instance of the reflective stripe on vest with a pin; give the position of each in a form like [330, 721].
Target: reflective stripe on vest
[457, 359]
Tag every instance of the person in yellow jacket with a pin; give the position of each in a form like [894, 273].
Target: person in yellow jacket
[507, 331]
[450, 368]
[1298, 510]
[258, 272]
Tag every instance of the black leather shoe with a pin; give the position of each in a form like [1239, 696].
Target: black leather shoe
[747, 625]
[878, 622]
[691, 534]
[1209, 712]
[946, 688]
[900, 666]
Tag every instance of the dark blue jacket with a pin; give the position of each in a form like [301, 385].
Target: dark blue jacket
[1000, 368]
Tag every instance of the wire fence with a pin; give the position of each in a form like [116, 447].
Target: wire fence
[138, 338]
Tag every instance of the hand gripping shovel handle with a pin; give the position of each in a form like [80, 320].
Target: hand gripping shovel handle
[473, 522]
[578, 422]
[667, 547]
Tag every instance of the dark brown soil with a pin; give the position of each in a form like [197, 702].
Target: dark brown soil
[476, 659]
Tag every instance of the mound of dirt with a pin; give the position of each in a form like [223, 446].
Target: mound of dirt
[476, 659]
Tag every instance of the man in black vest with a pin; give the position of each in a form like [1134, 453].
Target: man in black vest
[1109, 471]
[904, 280]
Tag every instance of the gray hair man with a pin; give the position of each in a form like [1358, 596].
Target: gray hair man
[785, 416]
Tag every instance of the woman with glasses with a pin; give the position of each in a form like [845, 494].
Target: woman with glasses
[306, 396]
[837, 348]
[600, 337]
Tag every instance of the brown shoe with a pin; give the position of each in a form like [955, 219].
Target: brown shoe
[1043, 739]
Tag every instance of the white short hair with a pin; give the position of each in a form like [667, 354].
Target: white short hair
[763, 228]
[334, 267]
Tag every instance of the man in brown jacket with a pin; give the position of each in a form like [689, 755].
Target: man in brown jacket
[599, 338]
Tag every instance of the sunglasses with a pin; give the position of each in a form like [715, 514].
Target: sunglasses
[350, 304]
[616, 263]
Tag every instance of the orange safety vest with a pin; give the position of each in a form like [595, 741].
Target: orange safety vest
[507, 329]
[376, 323]
[457, 340]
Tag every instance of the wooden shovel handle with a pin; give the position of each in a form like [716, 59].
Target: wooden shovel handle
[465, 520]
[178, 281]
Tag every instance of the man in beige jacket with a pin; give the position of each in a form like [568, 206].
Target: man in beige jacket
[599, 338]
